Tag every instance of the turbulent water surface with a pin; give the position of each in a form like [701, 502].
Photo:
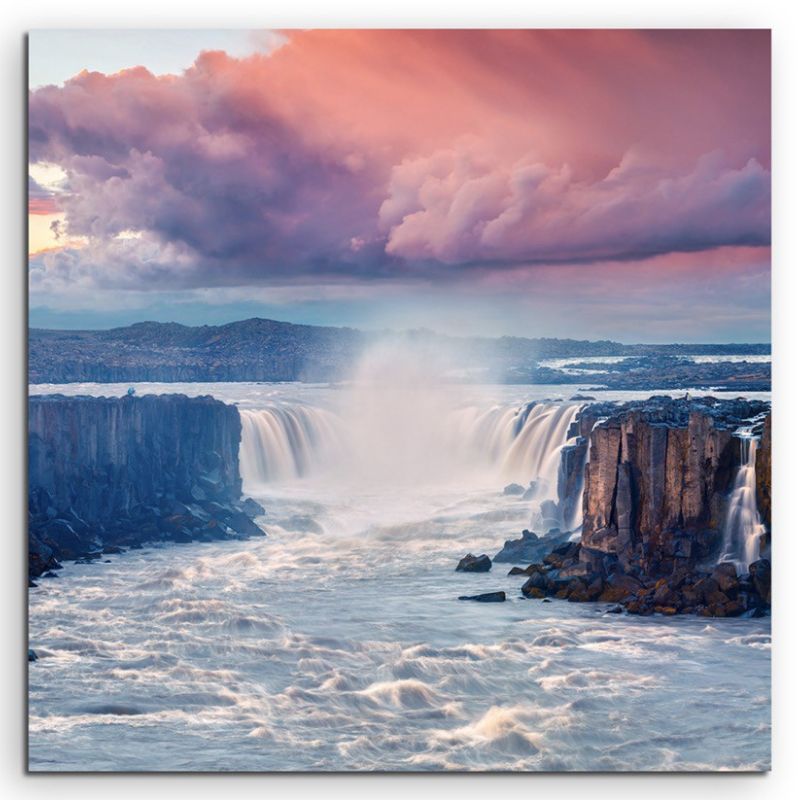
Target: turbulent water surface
[338, 643]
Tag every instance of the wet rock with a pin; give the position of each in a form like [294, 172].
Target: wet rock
[252, 508]
[525, 550]
[518, 571]
[764, 475]
[551, 517]
[32, 655]
[471, 563]
[658, 480]
[727, 579]
[141, 471]
[62, 538]
[618, 587]
[563, 555]
[667, 611]
[533, 592]
[761, 578]
[487, 597]
[514, 489]
[536, 586]
[244, 525]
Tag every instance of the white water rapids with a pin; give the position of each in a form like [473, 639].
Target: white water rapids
[337, 642]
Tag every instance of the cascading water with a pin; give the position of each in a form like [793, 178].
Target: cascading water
[285, 442]
[497, 444]
[743, 527]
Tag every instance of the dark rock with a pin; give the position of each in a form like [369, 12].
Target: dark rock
[536, 585]
[471, 563]
[562, 555]
[488, 597]
[518, 571]
[764, 473]
[50, 575]
[525, 550]
[244, 525]
[727, 579]
[533, 592]
[658, 480]
[618, 587]
[514, 489]
[63, 539]
[252, 508]
[131, 474]
[761, 578]
[550, 517]
[32, 655]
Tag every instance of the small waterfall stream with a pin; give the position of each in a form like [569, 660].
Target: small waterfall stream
[743, 526]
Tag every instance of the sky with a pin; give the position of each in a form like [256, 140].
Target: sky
[606, 184]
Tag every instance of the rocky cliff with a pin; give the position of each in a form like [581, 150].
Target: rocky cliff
[656, 491]
[110, 472]
[764, 474]
[657, 484]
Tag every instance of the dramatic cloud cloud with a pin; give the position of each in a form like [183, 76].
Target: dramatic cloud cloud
[453, 208]
[355, 156]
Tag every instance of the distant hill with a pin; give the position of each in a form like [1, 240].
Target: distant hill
[267, 350]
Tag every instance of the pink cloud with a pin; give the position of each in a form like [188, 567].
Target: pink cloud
[361, 155]
[452, 207]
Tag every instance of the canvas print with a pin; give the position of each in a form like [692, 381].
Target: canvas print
[399, 401]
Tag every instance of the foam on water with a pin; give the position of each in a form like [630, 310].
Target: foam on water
[337, 642]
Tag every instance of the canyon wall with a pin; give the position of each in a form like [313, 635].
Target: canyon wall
[764, 474]
[658, 481]
[110, 472]
[657, 489]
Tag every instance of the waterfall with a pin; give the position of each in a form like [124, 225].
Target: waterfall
[575, 521]
[743, 527]
[282, 443]
[500, 443]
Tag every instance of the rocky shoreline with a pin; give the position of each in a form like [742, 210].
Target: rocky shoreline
[107, 474]
[657, 478]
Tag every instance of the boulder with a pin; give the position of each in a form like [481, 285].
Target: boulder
[727, 579]
[514, 489]
[618, 587]
[536, 585]
[61, 536]
[533, 592]
[471, 563]
[252, 508]
[487, 597]
[32, 655]
[244, 525]
[525, 550]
